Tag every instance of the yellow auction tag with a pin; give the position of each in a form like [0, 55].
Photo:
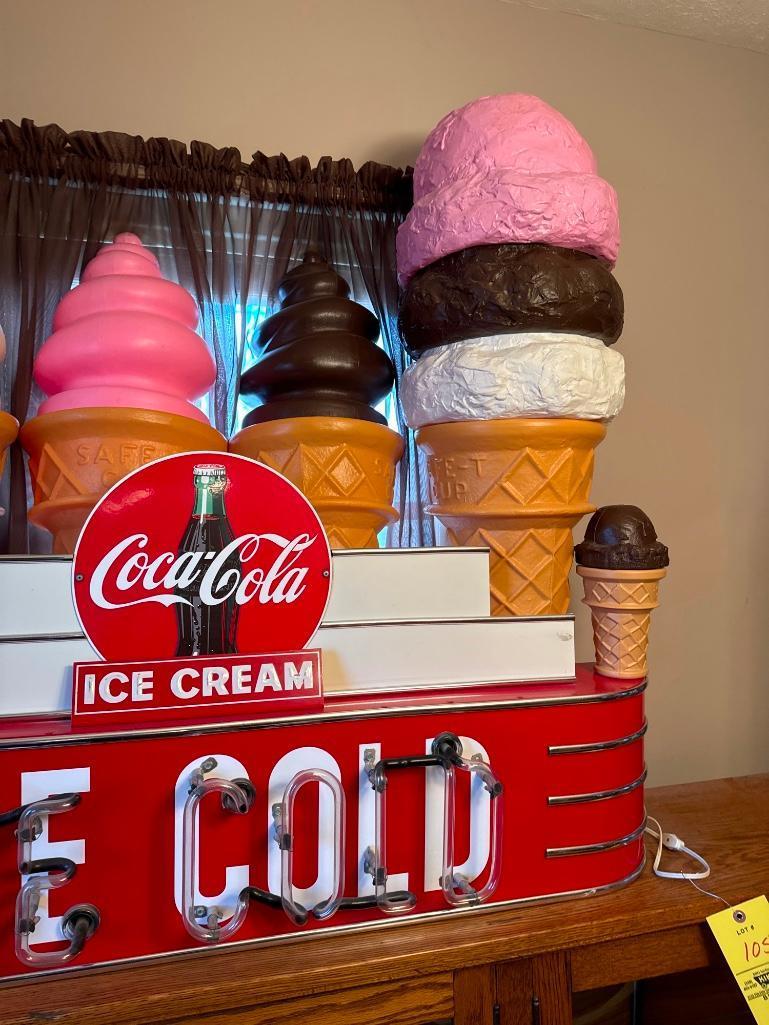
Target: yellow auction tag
[742, 933]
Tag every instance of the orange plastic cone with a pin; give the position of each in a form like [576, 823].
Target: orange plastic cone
[345, 467]
[517, 487]
[621, 603]
[75, 455]
[9, 428]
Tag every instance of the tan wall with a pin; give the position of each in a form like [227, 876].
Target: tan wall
[680, 128]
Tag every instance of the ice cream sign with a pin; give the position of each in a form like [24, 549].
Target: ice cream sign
[199, 579]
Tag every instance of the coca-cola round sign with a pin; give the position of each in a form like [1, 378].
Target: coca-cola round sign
[203, 553]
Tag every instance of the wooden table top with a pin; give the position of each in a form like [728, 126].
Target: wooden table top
[652, 927]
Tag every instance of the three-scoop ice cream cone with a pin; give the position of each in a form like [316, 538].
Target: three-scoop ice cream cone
[510, 310]
[121, 370]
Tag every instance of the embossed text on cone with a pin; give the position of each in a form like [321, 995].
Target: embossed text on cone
[75, 455]
[345, 467]
[621, 603]
[517, 487]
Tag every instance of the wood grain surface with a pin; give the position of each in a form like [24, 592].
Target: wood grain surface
[515, 992]
[649, 928]
[474, 995]
[410, 1002]
[552, 987]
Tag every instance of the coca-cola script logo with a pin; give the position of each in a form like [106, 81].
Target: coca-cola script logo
[202, 553]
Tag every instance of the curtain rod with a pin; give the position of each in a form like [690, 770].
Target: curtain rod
[120, 160]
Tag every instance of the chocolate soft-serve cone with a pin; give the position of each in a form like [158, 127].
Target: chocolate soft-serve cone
[318, 376]
[621, 563]
[120, 370]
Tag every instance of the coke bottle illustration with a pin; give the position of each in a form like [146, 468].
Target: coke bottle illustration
[208, 629]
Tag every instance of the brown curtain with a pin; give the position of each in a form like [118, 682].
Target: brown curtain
[226, 230]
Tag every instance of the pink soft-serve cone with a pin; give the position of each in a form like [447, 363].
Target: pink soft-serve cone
[125, 337]
[121, 368]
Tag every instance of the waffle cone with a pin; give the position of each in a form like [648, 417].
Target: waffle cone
[345, 467]
[517, 487]
[75, 455]
[9, 428]
[621, 603]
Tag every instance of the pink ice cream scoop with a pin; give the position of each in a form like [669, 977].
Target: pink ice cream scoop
[125, 336]
[502, 169]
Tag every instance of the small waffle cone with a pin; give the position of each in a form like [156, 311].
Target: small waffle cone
[621, 603]
[76, 455]
[516, 487]
[9, 428]
[345, 467]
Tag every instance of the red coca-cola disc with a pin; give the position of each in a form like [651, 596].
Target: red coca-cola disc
[138, 596]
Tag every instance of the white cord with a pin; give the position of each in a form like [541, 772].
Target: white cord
[670, 842]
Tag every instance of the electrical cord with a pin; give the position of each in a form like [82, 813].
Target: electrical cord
[8, 817]
[671, 842]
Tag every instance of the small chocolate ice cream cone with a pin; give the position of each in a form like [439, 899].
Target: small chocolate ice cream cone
[621, 563]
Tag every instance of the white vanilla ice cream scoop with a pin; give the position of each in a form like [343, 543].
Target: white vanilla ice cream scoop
[532, 374]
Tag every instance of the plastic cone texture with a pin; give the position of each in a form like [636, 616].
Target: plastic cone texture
[75, 455]
[9, 428]
[517, 487]
[345, 467]
[621, 603]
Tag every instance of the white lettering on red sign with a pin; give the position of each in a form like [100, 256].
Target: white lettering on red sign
[235, 876]
[189, 682]
[302, 758]
[140, 689]
[129, 568]
[37, 786]
[225, 685]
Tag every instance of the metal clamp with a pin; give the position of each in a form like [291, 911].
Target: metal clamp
[284, 834]
[44, 874]
[457, 889]
[237, 797]
[399, 902]
[369, 900]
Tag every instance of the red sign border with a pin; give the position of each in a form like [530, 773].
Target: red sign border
[218, 711]
[211, 456]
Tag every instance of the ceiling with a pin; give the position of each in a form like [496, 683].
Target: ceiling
[743, 23]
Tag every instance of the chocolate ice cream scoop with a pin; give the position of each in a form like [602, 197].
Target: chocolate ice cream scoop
[509, 288]
[621, 537]
[317, 356]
